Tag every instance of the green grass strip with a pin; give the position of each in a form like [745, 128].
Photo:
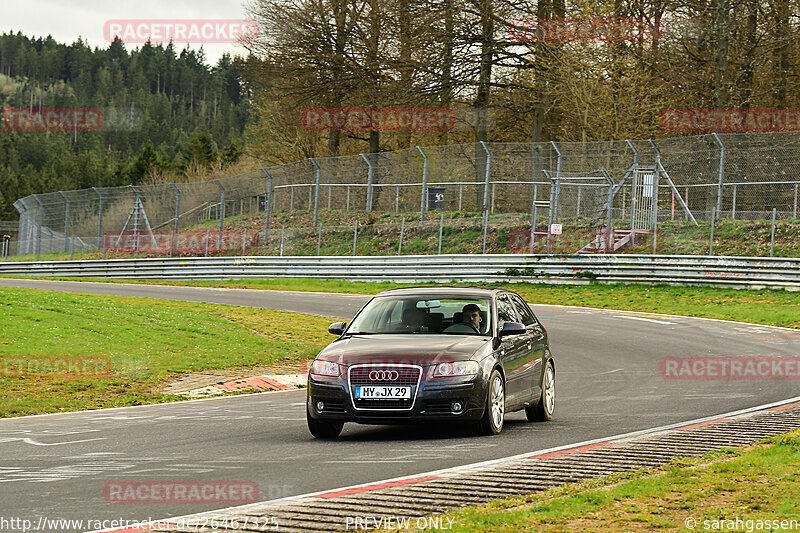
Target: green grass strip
[768, 306]
[147, 342]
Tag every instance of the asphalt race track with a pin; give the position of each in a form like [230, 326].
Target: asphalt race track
[608, 382]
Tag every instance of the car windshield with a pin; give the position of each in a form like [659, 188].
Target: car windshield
[423, 314]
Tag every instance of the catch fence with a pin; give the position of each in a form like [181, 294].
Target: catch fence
[621, 184]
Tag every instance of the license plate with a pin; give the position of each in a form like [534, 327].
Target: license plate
[383, 393]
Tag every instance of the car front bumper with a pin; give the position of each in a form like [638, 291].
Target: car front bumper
[432, 403]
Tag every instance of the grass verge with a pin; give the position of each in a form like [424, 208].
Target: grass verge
[768, 306]
[760, 483]
[147, 342]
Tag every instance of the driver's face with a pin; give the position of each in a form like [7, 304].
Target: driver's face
[473, 318]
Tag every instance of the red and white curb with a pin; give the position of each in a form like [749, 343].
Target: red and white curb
[258, 383]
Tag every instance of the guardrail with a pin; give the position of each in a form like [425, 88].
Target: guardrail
[735, 272]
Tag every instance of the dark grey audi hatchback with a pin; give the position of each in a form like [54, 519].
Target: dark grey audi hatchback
[433, 354]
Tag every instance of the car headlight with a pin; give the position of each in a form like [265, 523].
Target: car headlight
[325, 368]
[456, 368]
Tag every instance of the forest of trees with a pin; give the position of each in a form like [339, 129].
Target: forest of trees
[189, 117]
[468, 54]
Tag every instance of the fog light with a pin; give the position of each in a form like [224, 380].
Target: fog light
[320, 406]
[456, 407]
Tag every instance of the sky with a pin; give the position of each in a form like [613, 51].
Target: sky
[66, 20]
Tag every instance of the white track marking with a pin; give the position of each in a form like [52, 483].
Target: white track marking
[645, 319]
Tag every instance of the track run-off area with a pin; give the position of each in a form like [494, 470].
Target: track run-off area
[613, 378]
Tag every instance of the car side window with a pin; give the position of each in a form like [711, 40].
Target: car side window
[523, 310]
[505, 312]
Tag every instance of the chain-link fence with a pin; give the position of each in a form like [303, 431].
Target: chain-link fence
[694, 178]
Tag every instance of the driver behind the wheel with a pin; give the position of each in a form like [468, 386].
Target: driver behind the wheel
[471, 319]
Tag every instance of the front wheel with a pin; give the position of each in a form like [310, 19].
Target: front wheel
[543, 411]
[323, 430]
[494, 414]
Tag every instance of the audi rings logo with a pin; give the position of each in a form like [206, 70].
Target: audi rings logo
[384, 375]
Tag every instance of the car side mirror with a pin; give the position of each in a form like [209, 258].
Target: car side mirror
[337, 328]
[512, 328]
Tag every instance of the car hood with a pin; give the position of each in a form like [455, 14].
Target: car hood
[425, 349]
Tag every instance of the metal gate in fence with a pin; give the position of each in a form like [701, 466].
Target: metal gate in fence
[644, 198]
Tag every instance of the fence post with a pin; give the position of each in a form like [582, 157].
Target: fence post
[66, 218]
[772, 237]
[207, 232]
[441, 227]
[609, 211]
[41, 221]
[397, 198]
[267, 205]
[655, 236]
[355, 236]
[402, 229]
[721, 172]
[100, 238]
[656, 174]
[711, 243]
[558, 181]
[794, 209]
[423, 204]
[370, 177]
[291, 198]
[551, 211]
[177, 217]
[533, 217]
[485, 229]
[316, 189]
[733, 209]
[282, 231]
[319, 239]
[221, 205]
[485, 207]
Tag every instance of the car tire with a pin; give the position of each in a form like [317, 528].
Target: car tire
[323, 430]
[543, 411]
[494, 413]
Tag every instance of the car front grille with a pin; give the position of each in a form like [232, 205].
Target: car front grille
[383, 375]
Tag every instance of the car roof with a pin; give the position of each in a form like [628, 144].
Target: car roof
[447, 290]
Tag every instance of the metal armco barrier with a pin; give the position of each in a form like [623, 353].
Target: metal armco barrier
[734, 272]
